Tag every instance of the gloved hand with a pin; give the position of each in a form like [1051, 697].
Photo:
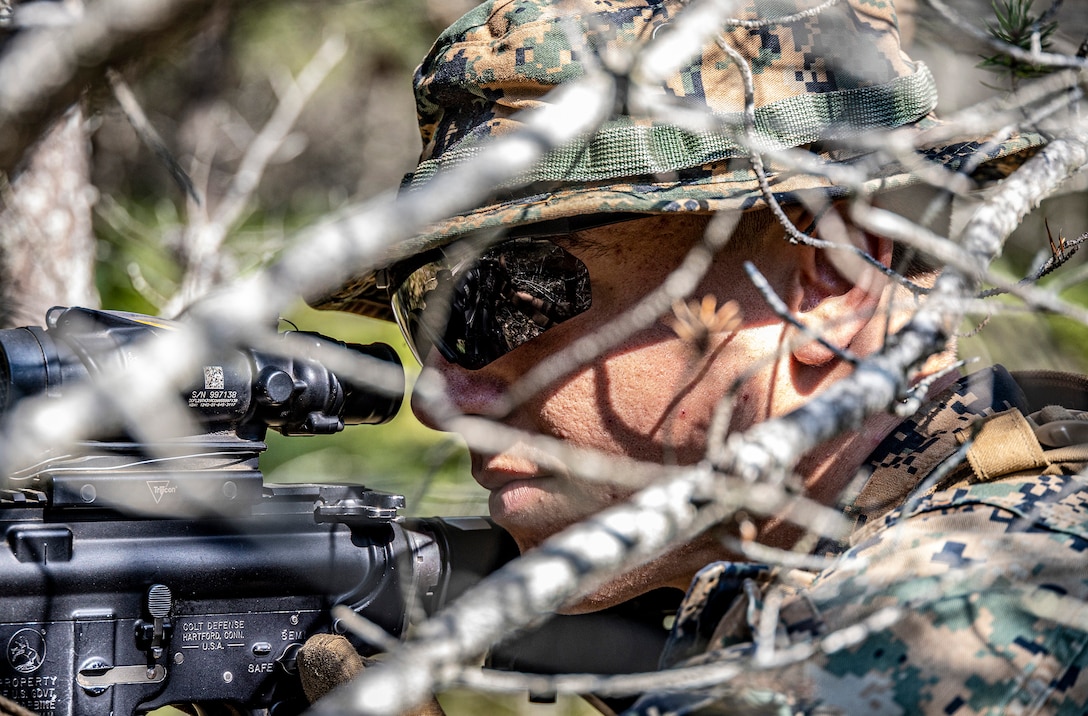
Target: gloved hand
[10, 708]
[326, 661]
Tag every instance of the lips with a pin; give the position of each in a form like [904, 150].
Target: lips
[520, 463]
[496, 480]
[527, 501]
[495, 472]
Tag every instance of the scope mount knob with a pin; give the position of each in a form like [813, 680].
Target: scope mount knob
[347, 505]
[273, 387]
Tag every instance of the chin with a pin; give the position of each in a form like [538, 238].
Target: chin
[531, 513]
[527, 537]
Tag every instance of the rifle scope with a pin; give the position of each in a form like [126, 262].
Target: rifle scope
[291, 393]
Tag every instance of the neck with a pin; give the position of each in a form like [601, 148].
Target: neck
[829, 469]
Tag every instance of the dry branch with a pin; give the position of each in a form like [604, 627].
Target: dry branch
[380, 231]
[207, 229]
[240, 313]
[44, 71]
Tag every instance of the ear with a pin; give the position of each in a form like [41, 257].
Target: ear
[837, 294]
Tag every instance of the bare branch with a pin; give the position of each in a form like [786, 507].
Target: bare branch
[1034, 56]
[147, 132]
[204, 236]
[379, 232]
[44, 70]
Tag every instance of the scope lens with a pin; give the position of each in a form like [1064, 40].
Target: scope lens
[5, 379]
[370, 404]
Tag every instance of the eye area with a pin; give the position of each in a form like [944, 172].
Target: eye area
[477, 309]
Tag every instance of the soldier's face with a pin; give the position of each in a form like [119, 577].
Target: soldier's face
[651, 397]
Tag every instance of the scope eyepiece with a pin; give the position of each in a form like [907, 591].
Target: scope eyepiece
[292, 392]
[29, 364]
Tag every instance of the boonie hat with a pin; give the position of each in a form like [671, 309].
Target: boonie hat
[823, 70]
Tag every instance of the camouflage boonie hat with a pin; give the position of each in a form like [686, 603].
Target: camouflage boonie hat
[822, 71]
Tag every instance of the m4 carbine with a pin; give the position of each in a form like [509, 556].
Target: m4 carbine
[138, 575]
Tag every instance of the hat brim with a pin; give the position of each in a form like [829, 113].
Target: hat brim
[725, 186]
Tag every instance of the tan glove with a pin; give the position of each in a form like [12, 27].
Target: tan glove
[326, 661]
[10, 708]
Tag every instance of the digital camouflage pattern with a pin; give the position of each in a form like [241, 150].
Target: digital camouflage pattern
[963, 594]
[822, 71]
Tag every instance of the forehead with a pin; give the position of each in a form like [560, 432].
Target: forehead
[648, 234]
[657, 235]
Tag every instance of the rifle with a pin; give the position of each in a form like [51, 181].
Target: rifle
[140, 575]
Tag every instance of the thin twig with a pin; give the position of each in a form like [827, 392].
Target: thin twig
[1048, 59]
[43, 72]
[126, 99]
[203, 239]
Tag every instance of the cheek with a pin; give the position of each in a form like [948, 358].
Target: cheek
[642, 400]
[654, 399]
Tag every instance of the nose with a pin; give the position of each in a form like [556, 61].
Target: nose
[444, 388]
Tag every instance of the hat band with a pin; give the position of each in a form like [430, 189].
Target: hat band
[621, 148]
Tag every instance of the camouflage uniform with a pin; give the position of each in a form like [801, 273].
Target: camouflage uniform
[962, 590]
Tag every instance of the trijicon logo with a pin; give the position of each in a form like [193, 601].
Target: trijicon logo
[159, 488]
